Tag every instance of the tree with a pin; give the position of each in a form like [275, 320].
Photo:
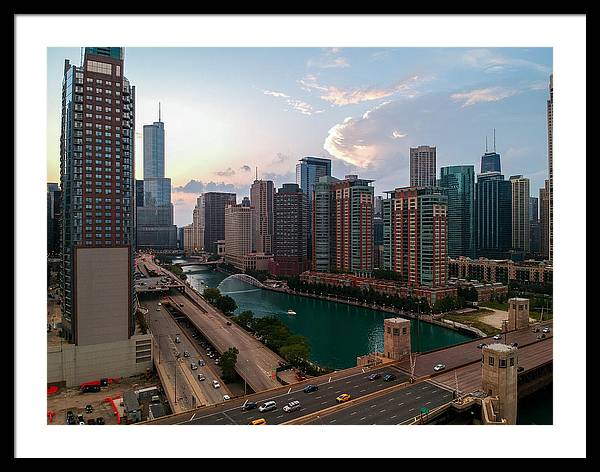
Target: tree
[294, 353]
[211, 294]
[227, 363]
[226, 304]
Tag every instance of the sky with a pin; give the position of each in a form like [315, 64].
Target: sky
[232, 112]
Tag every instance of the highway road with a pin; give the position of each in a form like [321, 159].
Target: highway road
[465, 353]
[395, 407]
[356, 384]
[164, 328]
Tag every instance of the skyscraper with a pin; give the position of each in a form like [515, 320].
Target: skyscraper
[290, 254]
[214, 217]
[155, 228]
[261, 198]
[520, 213]
[343, 225]
[422, 166]
[97, 178]
[493, 209]
[308, 172]
[459, 181]
[545, 220]
[490, 161]
[415, 235]
[550, 113]
[534, 226]
[53, 197]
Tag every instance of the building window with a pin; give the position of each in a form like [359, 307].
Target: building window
[512, 361]
[502, 363]
[491, 360]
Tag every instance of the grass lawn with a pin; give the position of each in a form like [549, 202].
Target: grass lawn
[474, 320]
[504, 307]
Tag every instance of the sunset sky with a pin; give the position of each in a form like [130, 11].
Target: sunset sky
[229, 110]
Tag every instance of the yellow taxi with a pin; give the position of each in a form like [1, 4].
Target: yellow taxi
[344, 397]
[259, 421]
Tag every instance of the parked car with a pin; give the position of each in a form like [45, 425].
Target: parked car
[439, 367]
[344, 397]
[259, 421]
[292, 406]
[498, 336]
[89, 408]
[100, 420]
[374, 376]
[201, 377]
[216, 384]
[389, 377]
[90, 389]
[226, 397]
[267, 406]
[481, 345]
[249, 406]
[311, 388]
[546, 330]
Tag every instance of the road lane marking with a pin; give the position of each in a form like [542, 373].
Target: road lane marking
[373, 406]
[280, 416]
[218, 419]
[363, 390]
[324, 403]
[363, 418]
[392, 417]
[381, 411]
[427, 403]
[400, 404]
[316, 398]
[411, 409]
[332, 421]
[416, 398]
[353, 413]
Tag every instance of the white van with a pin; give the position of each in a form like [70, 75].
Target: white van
[267, 406]
[292, 406]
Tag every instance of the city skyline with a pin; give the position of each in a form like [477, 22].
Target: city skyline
[362, 107]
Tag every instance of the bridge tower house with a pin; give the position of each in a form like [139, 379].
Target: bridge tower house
[499, 378]
[396, 338]
[518, 313]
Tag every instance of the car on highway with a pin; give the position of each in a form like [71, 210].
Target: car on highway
[267, 406]
[216, 361]
[157, 308]
[193, 366]
[159, 304]
[481, 345]
[310, 388]
[374, 376]
[439, 367]
[546, 330]
[177, 340]
[201, 377]
[216, 384]
[498, 336]
[249, 406]
[201, 363]
[259, 421]
[292, 406]
[186, 354]
[226, 397]
[344, 397]
[389, 377]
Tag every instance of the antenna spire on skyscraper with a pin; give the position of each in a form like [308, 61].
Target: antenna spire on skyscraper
[486, 148]
[494, 139]
[159, 112]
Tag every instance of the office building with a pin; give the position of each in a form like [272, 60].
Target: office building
[423, 166]
[459, 181]
[214, 204]
[545, 220]
[520, 213]
[240, 229]
[493, 210]
[139, 193]
[415, 235]
[490, 162]
[97, 179]
[261, 198]
[53, 205]
[534, 227]
[290, 235]
[308, 172]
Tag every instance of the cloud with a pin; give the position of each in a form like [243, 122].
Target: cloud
[245, 168]
[489, 94]
[329, 59]
[397, 135]
[340, 97]
[225, 173]
[197, 187]
[494, 62]
[294, 104]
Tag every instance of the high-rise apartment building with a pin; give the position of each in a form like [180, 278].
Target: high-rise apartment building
[459, 181]
[550, 114]
[155, 228]
[308, 172]
[53, 205]
[415, 225]
[423, 166]
[239, 233]
[214, 217]
[97, 179]
[493, 210]
[534, 226]
[290, 255]
[521, 236]
[545, 220]
[343, 225]
[261, 198]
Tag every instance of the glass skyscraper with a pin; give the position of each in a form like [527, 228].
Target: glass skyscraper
[460, 184]
[493, 203]
[490, 162]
